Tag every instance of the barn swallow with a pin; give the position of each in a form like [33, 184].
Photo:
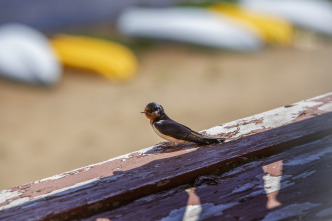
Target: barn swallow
[172, 131]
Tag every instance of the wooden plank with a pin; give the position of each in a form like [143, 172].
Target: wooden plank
[113, 183]
[294, 185]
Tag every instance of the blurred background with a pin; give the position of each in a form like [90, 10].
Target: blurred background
[76, 74]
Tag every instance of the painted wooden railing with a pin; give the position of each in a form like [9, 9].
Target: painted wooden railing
[277, 165]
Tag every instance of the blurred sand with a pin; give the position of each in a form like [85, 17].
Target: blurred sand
[87, 119]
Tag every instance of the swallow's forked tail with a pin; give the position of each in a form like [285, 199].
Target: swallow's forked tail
[203, 139]
[212, 140]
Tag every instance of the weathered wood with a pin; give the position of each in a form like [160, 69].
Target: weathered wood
[246, 192]
[295, 184]
[101, 187]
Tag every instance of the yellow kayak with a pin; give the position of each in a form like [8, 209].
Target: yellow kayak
[273, 30]
[110, 59]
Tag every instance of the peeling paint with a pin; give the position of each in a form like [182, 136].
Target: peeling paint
[15, 202]
[326, 107]
[24, 190]
[293, 210]
[192, 213]
[198, 212]
[77, 185]
[323, 96]
[7, 195]
[271, 183]
[9, 198]
[55, 177]
[270, 119]
[220, 129]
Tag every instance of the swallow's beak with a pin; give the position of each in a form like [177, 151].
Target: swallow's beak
[143, 112]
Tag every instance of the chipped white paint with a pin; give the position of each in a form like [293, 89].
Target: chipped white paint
[7, 195]
[15, 202]
[86, 168]
[129, 155]
[321, 96]
[271, 183]
[12, 197]
[225, 128]
[77, 185]
[326, 107]
[59, 176]
[55, 177]
[256, 187]
[192, 213]
[190, 149]
[121, 157]
[204, 211]
[270, 119]
[292, 210]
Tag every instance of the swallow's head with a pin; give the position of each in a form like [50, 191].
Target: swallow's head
[153, 110]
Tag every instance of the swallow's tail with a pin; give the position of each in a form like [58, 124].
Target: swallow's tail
[212, 140]
[202, 139]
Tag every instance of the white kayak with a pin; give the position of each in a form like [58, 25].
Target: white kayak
[191, 25]
[26, 55]
[315, 15]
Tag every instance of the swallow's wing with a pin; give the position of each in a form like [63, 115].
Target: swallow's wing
[173, 129]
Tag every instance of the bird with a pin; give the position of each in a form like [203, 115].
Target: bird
[173, 131]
